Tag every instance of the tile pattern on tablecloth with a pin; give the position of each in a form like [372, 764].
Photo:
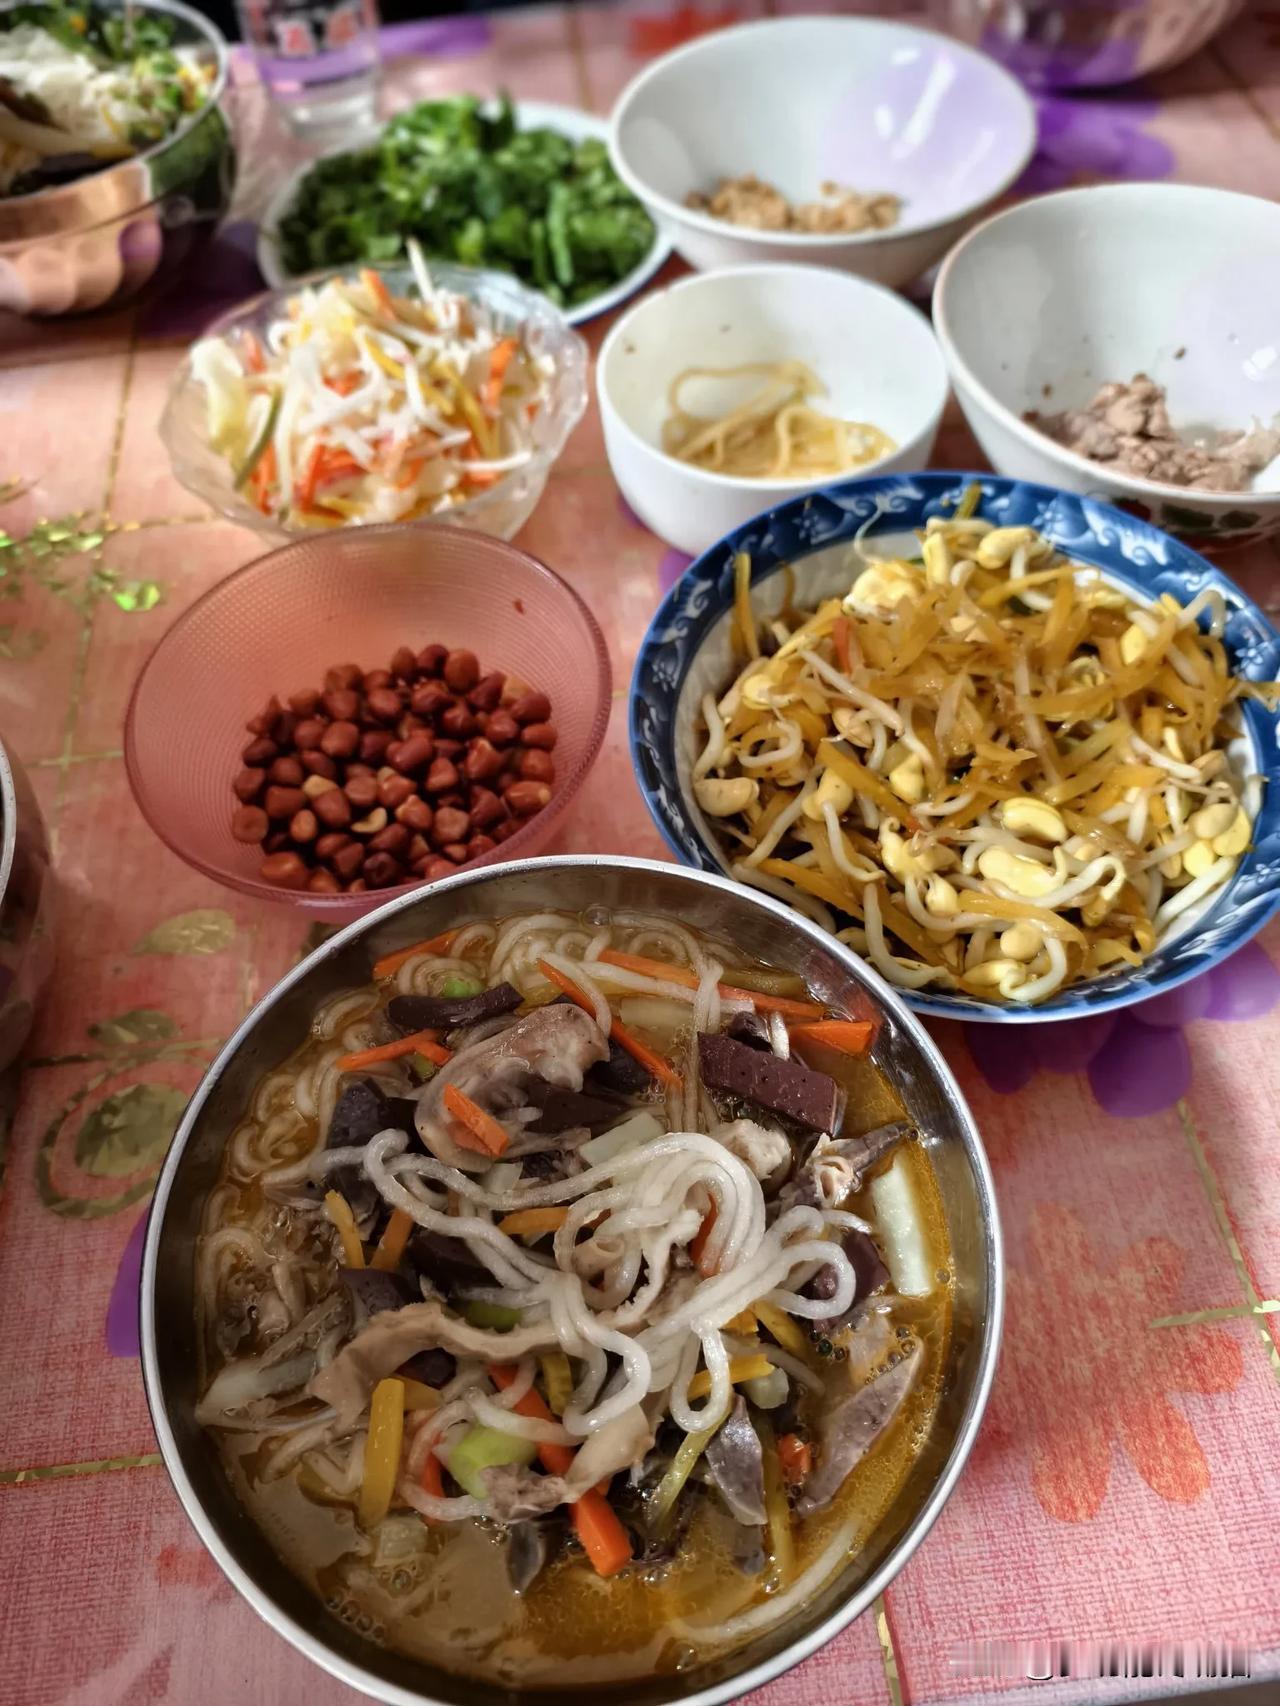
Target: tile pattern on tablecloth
[1080, 1514]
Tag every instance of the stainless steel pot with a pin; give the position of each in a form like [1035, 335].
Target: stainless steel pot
[759, 925]
[26, 893]
[1086, 44]
[103, 237]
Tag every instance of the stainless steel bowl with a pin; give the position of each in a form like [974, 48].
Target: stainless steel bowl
[272, 1031]
[1052, 45]
[26, 894]
[103, 237]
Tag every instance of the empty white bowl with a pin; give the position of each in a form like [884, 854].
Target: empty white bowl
[1045, 302]
[875, 353]
[861, 102]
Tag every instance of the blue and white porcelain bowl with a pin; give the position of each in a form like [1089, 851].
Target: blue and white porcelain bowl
[686, 653]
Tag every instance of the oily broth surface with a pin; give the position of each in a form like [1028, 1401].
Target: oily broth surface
[452, 1605]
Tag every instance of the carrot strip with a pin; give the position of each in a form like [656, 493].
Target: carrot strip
[255, 361]
[390, 964]
[491, 1138]
[419, 1042]
[554, 1458]
[527, 1222]
[840, 643]
[391, 1245]
[483, 478]
[412, 468]
[432, 1480]
[795, 1455]
[499, 362]
[654, 1063]
[783, 1004]
[698, 1243]
[604, 1539]
[849, 1036]
[343, 383]
[378, 290]
[304, 489]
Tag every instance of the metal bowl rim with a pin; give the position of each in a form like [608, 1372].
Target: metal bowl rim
[312, 1645]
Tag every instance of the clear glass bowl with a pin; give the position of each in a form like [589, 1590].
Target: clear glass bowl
[503, 509]
[352, 595]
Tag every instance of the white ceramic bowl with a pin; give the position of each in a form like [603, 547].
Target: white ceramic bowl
[1073, 289]
[862, 102]
[875, 353]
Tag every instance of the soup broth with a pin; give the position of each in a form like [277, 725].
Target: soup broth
[655, 1193]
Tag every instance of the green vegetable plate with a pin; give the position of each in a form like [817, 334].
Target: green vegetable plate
[525, 188]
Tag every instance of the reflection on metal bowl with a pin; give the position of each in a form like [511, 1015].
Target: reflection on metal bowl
[1081, 46]
[26, 889]
[701, 901]
[101, 238]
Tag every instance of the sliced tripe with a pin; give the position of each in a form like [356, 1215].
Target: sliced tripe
[899, 1221]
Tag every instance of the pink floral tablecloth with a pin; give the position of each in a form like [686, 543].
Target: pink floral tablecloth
[1126, 1485]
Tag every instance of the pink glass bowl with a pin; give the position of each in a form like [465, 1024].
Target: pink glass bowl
[278, 624]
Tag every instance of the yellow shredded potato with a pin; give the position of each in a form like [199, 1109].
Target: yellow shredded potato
[987, 769]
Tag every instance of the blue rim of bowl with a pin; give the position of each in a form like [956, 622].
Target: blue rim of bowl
[1147, 560]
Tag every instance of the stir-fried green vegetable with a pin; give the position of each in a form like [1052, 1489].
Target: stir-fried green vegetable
[471, 188]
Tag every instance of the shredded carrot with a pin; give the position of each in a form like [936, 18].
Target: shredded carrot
[390, 964]
[339, 1211]
[849, 1036]
[840, 643]
[254, 359]
[432, 1480]
[419, 1042]
[662, 1070]
[483, 478]
[796, 1457]
[337, 464]
[344, 383]
[409, 473]
[784, 1004]
[378, 290]
[391, 1245]
[533, 1222]
[499, 362]
[698, 1243]
[489, 1137]
[304, 489]
[604, 1539]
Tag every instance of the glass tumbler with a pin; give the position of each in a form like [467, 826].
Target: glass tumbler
[318, 60]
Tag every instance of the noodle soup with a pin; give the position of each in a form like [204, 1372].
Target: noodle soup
[575, 1299]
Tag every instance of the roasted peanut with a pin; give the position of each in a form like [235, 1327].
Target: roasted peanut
[539, 734]
[394, 790]
[430, 660]
[486, 693]
[303, 826]
[308, 733]
[342, 704]
[394, 839]
[482, 761]
[373, 678]
[284, 871]
[340, 740]
[249, 823]
[537, 766]
[330, 844]
[428, 698]
[410, 756]
[306, 703]
[381, 871]
[362, 791]
[348, 860]
[374, 744]
[461, 670]
[442, 776]
[531, 707]
[436, 867]
[403, 663]
[260, 751]
[283, 802]
[502, 728]
[415, 812]
[314, 786]
[486, 808]
[248, 784]
[342, 675]
[479, 844]
[457, 721]
[450, 824]
[332, 808]
[319, 763]
[277, 842]
[287, 771]
[323, 882]
[265, 721]
[450, 748]
[384, 704]
[504, 831]
[525, 798]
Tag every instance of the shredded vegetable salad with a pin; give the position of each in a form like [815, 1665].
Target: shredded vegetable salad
[985, 768]
[357, 406]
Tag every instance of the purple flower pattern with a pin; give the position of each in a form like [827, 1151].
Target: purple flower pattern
[1138, 1060]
